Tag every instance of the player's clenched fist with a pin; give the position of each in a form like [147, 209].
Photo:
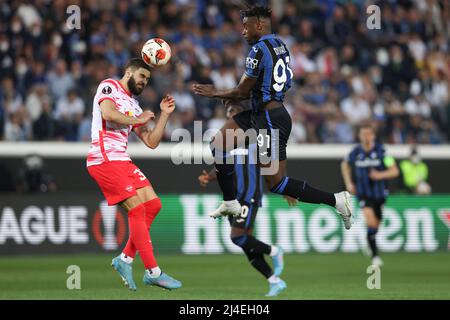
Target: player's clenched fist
[203, 179]
[167, 104]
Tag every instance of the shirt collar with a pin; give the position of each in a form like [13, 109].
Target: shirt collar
[267, 36]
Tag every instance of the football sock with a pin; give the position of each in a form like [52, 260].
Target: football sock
[274, 251]
[302, 191]
[154, 272]
[260, 264]
[371, 234]
[140, 236]
[250, 244]
[224, 163]
[273, 279]
[255, 250]
[126, 258]
[152, 209]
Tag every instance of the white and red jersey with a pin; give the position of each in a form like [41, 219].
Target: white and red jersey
[109, 139]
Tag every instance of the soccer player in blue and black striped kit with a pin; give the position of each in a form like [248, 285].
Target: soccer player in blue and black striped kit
[249, 192]
[365, 172]
[266, 79]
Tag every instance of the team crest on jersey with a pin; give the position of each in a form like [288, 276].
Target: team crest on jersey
[251, 63]
[107, 90]
[129, 113]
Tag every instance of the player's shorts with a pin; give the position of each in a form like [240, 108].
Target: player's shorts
[247, 217]
[118, 180]
[375, 204]
[275, 123]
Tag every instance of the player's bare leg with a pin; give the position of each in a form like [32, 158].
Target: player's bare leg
[281, 184]
[373, 224]
[221, 144]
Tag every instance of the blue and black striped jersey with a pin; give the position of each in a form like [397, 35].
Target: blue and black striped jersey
[361, 163]
[248, 178]
[268, 61]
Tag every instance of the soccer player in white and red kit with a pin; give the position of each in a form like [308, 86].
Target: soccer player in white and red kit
[115, 114]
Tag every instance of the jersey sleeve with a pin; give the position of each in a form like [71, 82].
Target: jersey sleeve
[107, 90]
[388, 161]
[253, 62]
[350, 158]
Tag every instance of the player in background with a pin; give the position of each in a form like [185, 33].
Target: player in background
[115, 115]
[266, 79]
[365, 172]
[249, 194]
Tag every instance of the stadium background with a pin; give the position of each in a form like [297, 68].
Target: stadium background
[344, 73]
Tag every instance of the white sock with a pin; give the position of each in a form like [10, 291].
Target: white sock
[126, 258]
[229, 202]
[336, 199]
[273, 279]
[274, 251]
[154, 272]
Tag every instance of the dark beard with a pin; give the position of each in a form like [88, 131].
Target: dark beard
[133, 87]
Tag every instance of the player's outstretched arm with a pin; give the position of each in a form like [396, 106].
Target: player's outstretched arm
[241, 92]
[152, 138]
[110, 113]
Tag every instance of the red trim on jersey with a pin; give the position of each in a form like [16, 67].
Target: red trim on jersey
[113, 82]
[126, 91]
[105, 98]
[102, 146]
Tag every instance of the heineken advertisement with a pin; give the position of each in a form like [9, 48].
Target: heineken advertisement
[412, 224]
[48, 224]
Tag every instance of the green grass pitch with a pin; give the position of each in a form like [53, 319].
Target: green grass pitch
[309, 276]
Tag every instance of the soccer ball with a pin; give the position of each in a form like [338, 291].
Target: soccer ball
[156, 52]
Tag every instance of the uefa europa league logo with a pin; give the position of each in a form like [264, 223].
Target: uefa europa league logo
[108, 226]
[109, 221]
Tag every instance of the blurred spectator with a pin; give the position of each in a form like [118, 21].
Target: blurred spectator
[18, 126]
[45, 126]
[355, 109]
[414, 174]
[60, 80]
[398, 76]
[183, 97]
[69, 113]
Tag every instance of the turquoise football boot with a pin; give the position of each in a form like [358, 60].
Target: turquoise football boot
[276, 288]
[125, 271]
[164, 281]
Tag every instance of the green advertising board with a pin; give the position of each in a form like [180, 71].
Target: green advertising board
[410, 223]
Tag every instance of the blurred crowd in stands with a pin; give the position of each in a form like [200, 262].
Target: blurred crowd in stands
[344, 72]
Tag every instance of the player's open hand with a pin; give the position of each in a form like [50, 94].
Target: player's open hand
[291, 201]
[146, 116]
[167, 104]
[203, 179]
[206, 90]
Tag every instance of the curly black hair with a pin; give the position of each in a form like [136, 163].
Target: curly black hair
[257, 11]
